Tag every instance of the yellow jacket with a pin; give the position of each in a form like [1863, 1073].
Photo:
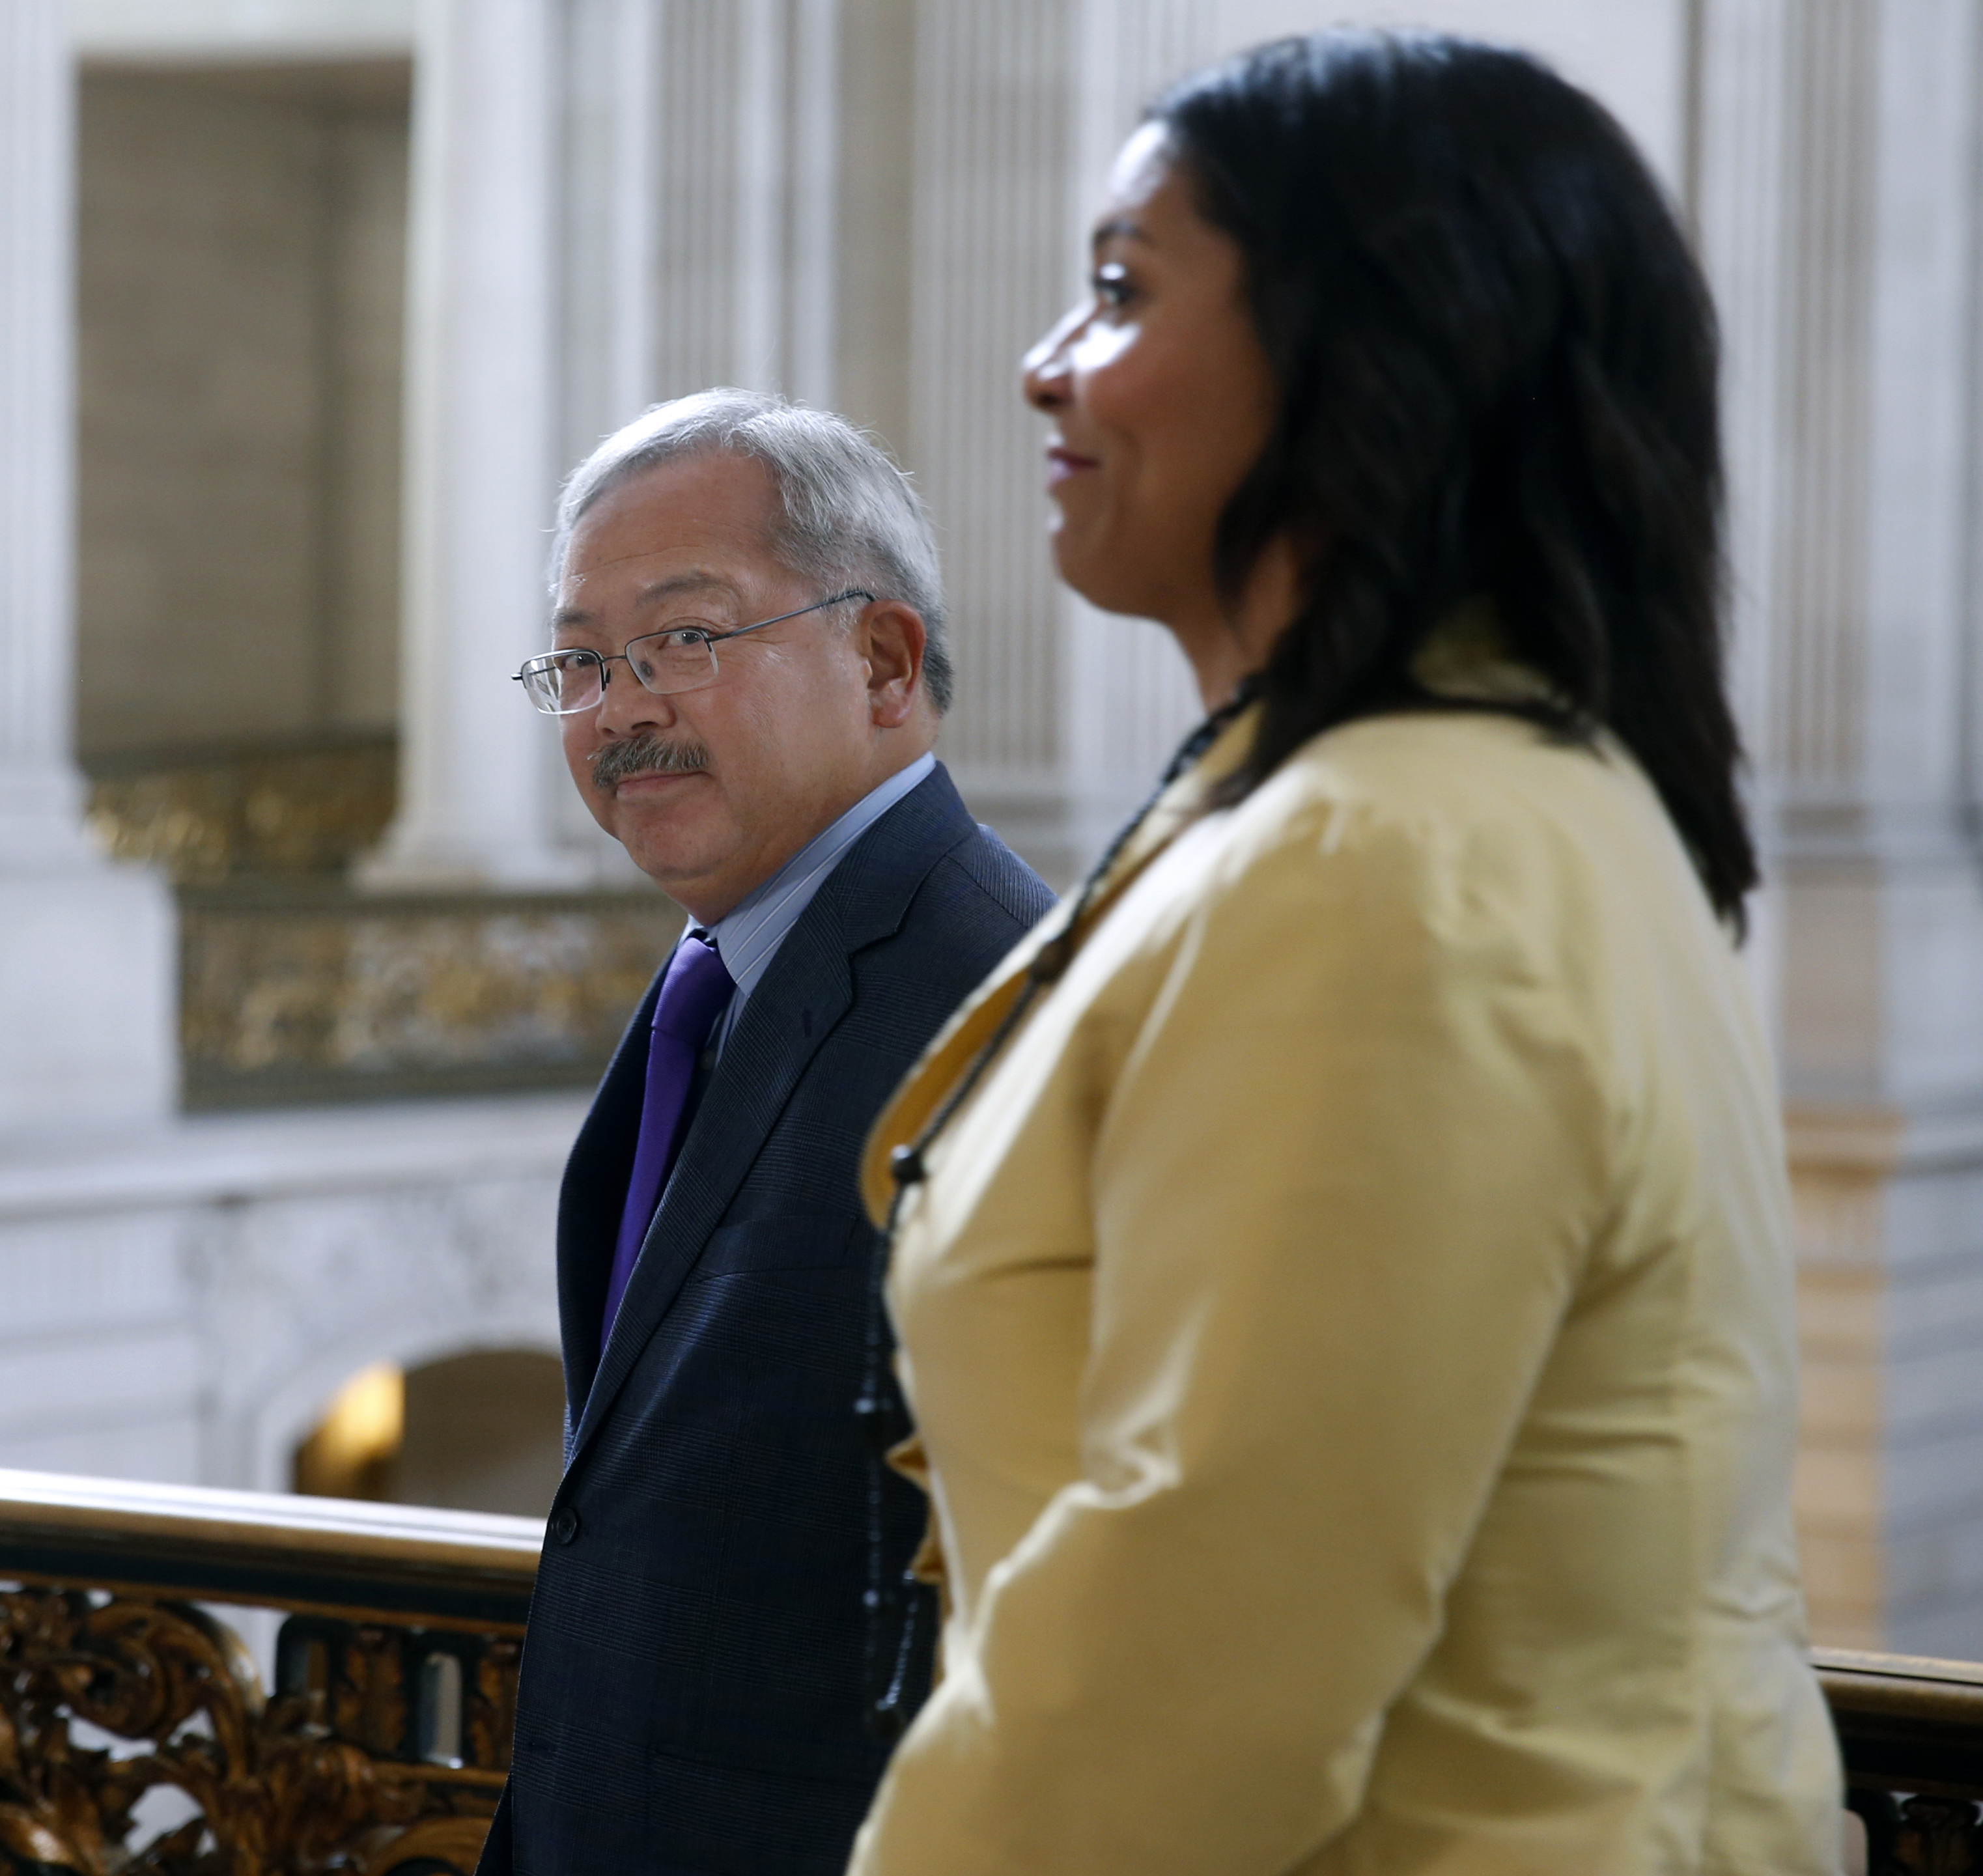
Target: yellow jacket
[1351, 1329]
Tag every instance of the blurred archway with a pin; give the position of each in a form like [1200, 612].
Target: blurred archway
[481, 1431]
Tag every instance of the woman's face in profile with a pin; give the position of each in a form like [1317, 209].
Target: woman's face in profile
[1161, 398]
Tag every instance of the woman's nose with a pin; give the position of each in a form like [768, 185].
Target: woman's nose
[1043, 370]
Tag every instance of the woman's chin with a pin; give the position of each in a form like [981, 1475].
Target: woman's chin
[1102, 578]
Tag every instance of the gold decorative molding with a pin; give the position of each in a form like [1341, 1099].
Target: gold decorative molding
[299, 806]
[1872, 1143]
[316, 992]
[294, 987]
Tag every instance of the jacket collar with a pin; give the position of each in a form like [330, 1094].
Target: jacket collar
[1466, 656]
[957, 1043]
[807, 988]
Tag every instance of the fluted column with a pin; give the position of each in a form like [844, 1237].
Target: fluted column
[1837, 198]
[611, 231]
[85, 994]
[1130, 696]
[41, 793]
[477, 767]
[1064, 714]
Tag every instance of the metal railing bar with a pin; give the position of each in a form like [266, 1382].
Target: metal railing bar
[333, 1556]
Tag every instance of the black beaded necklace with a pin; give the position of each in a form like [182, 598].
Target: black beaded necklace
[898, 1606]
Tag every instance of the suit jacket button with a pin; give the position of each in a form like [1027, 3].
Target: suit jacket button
[564, 1527]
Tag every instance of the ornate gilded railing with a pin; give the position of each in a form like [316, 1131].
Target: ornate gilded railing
[137, 1737]
[1912, 1732]
[381, 1746]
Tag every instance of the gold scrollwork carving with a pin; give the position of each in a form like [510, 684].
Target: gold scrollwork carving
[323, 1778]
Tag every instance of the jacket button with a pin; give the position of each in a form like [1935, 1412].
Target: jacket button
[564, 1527]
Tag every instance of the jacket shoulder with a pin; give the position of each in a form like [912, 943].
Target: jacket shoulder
[987, 863]
[976, 900]
[1471, 798]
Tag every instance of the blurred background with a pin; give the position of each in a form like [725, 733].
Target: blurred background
[308, 952]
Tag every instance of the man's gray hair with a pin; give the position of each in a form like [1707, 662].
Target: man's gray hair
[850, 517]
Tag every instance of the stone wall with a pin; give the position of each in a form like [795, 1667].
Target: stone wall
[185, 1308]
[241, 295]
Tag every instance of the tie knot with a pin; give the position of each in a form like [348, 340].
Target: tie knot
[696, 987]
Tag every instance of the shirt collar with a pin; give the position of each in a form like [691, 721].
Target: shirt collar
[748, 936]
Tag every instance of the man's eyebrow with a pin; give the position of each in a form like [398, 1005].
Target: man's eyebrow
[693, 582]
[651, 594]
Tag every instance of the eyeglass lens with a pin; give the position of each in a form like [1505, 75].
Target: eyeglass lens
[681, 658]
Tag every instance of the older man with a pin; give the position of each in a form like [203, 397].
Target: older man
[748, 667]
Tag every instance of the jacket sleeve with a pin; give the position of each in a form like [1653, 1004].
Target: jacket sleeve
[1343, 1181]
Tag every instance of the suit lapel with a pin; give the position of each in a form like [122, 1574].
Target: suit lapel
[590, 1200]
[807, 989]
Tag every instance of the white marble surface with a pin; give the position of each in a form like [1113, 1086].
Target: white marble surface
[476, 763]
[242, 29]
[184, 1299]
[85, 949]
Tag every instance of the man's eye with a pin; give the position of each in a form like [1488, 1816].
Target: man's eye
[683, 638]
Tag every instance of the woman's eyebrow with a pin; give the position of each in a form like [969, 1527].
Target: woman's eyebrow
[1121, 228]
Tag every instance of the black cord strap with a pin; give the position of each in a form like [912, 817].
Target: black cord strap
[881, 1409]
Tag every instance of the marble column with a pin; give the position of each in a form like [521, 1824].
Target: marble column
[746, 254]
[1837, 193]
[86, 1003]
[611, 233]
[700, 206]
[992, 163]
[1130, 698]
[1064, 714]
[478, 767]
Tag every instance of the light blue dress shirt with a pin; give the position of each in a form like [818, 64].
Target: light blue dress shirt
[747, 937]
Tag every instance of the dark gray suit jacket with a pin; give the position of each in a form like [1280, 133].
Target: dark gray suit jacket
[693, 1682]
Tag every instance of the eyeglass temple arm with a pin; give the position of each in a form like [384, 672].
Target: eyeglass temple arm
[818, 605]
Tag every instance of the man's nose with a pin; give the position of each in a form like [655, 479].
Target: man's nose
[1043, 370]
[628, 707]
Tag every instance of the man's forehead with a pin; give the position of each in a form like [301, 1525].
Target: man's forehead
[705, 520]
[642, 579]
[664, 575]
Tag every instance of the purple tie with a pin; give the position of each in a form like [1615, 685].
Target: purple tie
[693, 995]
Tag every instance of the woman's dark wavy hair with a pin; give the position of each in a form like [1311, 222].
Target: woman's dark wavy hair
[1496, 363]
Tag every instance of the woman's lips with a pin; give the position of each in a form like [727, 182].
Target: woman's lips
[1062, 462]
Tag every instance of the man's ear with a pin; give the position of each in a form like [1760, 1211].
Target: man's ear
[893, 640]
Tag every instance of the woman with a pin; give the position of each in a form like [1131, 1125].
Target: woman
[1341, 1266]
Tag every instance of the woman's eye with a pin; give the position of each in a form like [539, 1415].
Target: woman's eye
[1112, 286]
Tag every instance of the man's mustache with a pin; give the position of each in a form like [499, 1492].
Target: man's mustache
[645, 754]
